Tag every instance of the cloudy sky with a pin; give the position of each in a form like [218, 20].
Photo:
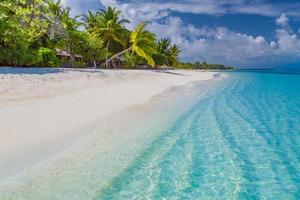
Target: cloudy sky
[242, 33]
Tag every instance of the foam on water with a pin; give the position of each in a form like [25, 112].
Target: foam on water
[235, 138]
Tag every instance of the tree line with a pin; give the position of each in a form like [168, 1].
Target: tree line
[205, 66]
[43, 33]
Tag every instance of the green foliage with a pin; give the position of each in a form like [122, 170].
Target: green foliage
[92, 48]
[143, 43]
[131, 59]
[20, 57]
[108, 26]
[32, 30]
[21, 25]
[166, 54]
[204, 66]
[47, 58]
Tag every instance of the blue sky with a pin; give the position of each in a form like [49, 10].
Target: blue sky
[242, 33]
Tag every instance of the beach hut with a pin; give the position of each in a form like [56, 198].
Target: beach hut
[66, 57]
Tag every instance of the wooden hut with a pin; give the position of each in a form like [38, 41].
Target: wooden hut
[65, 56]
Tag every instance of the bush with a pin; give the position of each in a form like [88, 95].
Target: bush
[47, 58]
[131, 59]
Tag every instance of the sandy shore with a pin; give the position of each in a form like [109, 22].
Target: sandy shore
[42, 111]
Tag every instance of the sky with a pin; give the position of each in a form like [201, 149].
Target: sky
[240, 33]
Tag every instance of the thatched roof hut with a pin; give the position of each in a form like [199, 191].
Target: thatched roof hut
[65, 55]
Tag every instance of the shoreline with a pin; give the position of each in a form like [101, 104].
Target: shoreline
[55, 116]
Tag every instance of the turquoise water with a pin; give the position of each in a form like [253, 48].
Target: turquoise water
[236, 137]
[239, 141]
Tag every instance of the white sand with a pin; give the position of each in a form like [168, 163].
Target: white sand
[41, 114]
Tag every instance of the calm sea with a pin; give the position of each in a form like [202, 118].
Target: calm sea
[234, 138]
[241, 140]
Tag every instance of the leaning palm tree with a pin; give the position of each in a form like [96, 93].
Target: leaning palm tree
[108, 26]
[142, 43]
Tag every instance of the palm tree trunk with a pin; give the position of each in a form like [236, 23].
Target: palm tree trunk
[118, 55]
[72, 57]
[113, 64]
[107, 50]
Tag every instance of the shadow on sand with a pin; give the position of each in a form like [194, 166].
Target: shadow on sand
[41, 71]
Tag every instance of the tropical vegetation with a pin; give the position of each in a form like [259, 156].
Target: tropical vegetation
[43, 33]
[205, 66]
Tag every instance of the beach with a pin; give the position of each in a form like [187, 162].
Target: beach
[118, 134]
[43, 111]
[149, 100]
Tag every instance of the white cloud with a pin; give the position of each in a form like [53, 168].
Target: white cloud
[221, 45]
[109, 2]
[152, 9]
[216, 45]
[283, 20]
[288, 43]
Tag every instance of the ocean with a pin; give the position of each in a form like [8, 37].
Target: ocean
[241, 140]
[237, 137]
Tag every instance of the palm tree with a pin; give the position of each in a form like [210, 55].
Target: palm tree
[163, 51]
[166, 54]
[72, 33]
[55, 8]
[142, 43]
[89, 20]
[174, 54]
[108, 26]
[55, 16]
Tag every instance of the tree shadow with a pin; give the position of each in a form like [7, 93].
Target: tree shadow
[42, 71]
[29, 70]
[169, 72]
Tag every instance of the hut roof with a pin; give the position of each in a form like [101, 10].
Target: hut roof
[60, 52]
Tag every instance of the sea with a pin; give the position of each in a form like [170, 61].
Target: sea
[236, 137]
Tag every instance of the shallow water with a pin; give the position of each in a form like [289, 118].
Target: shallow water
[234, 138]
[242, 141]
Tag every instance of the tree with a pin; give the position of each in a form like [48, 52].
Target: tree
[108, 26]
[32, 30]
[90, 20]
[142, 43]
[73, 37]
[174, 55]
[166, 54]
[162, 55]
[21, 25]
[54, 16]
[92, 49]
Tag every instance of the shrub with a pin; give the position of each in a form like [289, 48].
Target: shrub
[47, 58]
